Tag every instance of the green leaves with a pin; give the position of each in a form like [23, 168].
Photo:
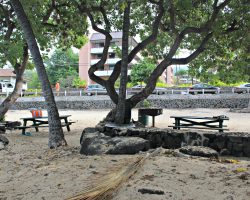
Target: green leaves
[141, 71]
[61, 65]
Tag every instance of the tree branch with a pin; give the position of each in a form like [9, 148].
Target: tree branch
[172, 18]
[195, 54]
[141, 45]
[103, 59]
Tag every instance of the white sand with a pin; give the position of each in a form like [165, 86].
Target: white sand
[29, 170]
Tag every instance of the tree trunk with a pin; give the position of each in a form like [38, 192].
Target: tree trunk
[121, 106]
[56, 136]
[19, 69]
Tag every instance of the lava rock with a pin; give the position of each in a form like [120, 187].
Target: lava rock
[199, 151]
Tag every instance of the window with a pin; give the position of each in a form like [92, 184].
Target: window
[111, 67]
[99, 56]
[111, 55]
[101, 68]
[9, 85]
[101, 44]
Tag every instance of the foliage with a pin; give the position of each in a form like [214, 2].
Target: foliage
[140, 72]
[146, 103]
[62, 66]
[227, 55]
[32, 79]
[181, 72]
[161, 84]
[78, 83]
[2, 118]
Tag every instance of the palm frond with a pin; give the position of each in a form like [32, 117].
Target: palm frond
[111, 182]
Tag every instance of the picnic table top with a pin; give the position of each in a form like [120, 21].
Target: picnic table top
[45, 117]
[198, 117]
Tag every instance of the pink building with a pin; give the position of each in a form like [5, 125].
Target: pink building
[168, 76]
[91, 53]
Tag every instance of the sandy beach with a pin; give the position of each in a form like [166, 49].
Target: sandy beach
[29, 170]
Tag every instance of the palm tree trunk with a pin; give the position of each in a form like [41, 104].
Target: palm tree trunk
[56, 136]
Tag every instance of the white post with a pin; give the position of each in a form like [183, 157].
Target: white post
[172, 91]
[80, 93]
[65, 93]
[96, 93]
[233, 90]
[187, 91]
[36, 92]
[218, 90]
[203, 91]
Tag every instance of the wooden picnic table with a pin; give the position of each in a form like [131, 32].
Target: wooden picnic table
[213, 123]
[42, 122]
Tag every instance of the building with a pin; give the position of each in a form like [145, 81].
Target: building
[7, 75]
[91, 53]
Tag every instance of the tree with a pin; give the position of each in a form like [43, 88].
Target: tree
[165, 28]
[140, 72]
[62, 65]
[14, 50]
[180, 73]
[56, 136]
[49, 20]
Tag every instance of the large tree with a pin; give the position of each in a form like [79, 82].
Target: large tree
[165, 28]
[56, 136]
[54, 23]
[14, 50]
[49, 19]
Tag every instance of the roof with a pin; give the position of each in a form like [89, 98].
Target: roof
[7, 73]
[99, 36]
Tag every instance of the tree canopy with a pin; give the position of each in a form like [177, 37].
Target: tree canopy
[140, 72]
[62, 66]
[165, 28]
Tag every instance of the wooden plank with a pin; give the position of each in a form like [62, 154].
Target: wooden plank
[198, 117]
[42, 126]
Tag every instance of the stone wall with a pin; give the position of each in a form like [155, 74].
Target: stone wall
[163, 101]
[228, 143]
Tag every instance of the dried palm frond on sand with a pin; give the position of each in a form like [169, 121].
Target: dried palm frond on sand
[111, 182]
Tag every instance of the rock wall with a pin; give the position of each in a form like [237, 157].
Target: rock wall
[228, 143]
[163, 101]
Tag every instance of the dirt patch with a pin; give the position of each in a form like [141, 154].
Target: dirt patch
[29, 170]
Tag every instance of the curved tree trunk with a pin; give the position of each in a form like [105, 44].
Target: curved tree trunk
[121, 106]
[56, 136]
[19, 69]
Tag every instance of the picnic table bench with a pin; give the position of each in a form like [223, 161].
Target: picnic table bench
[43, 122]
[213, 123]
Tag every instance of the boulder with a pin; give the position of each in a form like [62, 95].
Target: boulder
[3, 142]
[128, 145]
[2, 129]
[98, 143]
[199, 151]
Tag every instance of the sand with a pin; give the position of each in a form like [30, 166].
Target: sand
[29, 170]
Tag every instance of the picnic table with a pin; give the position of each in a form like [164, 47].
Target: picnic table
[213, 123]
[43, 122]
